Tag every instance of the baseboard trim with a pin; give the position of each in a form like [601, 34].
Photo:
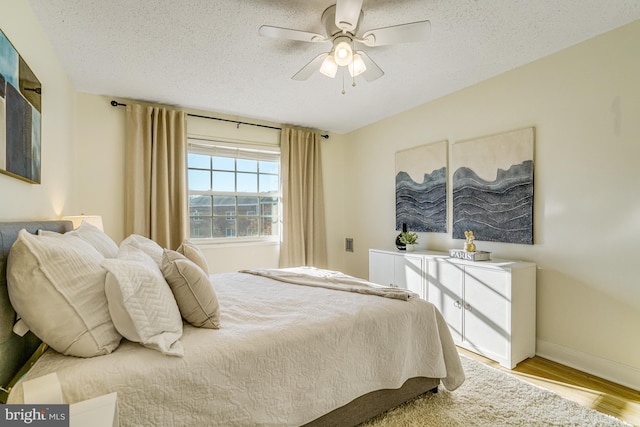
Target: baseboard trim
[628, 376]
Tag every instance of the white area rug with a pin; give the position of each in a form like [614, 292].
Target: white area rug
[490, 397]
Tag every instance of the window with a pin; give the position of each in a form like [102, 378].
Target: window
[234, 193]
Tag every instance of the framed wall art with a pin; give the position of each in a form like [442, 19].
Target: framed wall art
[421, 188]
[493, 187]
[20, 115]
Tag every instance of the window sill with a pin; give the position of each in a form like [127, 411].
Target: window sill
[229, 243]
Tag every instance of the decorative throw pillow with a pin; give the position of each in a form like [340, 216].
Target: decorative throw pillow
[141, 304]
[146, 245]
[56, 285]
[192, 289]
[92, 235]
[194, 253]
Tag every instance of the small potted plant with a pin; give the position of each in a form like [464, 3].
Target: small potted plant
[410, 239]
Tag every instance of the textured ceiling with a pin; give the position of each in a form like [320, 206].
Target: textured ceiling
[207, 54]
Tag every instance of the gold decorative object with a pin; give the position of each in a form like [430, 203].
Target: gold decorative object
[469, 246]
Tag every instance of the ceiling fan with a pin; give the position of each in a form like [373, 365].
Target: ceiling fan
[341, 23]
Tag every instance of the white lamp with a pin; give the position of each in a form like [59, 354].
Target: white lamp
[357, 67]
[95, 220]
[343, 53]
[329, 67]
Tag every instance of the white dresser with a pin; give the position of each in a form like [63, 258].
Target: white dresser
[406, 270]
[490, 306]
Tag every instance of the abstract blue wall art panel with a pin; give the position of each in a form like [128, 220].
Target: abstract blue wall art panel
[493, 187]
[20, 116]
[421, 188]
[8, 61]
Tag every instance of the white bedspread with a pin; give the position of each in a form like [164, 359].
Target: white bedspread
[284, 355]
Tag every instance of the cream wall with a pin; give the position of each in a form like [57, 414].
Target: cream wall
[584, 103]
[53, 197]
[99, 171]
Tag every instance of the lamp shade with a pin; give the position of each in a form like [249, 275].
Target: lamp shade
[329, 67]
[95, 220]
[357, 67]
[342, 51]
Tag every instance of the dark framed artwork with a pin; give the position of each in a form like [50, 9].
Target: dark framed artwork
[421, 188]
[493, 187]
[20, 115]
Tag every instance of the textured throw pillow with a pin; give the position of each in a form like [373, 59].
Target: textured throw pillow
[56, 285]
[192, 289]
[194, 253]
[92, 235]
[141, 304]
[146, 245]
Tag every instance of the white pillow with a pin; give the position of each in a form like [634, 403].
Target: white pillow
[192, 289]
[146, 245]
[141, 304]
[194, 253]
[92, 235]
[56, 285]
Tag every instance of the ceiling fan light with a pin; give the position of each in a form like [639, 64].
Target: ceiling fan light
[357, 67]
[343, 53]
[329, 67]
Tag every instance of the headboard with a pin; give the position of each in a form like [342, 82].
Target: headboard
[16, 350]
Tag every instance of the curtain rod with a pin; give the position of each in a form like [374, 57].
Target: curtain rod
[119, 104]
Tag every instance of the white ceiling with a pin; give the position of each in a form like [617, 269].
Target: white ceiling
[207, 54]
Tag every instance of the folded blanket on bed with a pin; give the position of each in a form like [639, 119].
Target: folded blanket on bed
[311, 276]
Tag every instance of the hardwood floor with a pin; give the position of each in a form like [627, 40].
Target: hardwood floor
[587, 390]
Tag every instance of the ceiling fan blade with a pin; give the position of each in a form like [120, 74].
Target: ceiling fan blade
[290, 34]
[313, 66]
[347, 14]
[403, 33]
[372, 72]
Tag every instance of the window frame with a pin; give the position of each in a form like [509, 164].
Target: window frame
[237, 150]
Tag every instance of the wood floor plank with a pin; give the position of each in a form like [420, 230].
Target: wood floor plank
[583, 388]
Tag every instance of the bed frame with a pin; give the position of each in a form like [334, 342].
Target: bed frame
[17, 354]
[375, 403]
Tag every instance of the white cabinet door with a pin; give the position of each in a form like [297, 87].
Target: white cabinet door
[445, 292]
[408, 274]
[381, 267]
[487, 308]
[399, 270]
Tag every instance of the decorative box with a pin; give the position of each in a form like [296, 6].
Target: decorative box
[470, 256]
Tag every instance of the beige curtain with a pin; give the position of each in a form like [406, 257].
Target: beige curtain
[304, 233]
[155, 174]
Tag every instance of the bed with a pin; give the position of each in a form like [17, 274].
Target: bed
[285, 354]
